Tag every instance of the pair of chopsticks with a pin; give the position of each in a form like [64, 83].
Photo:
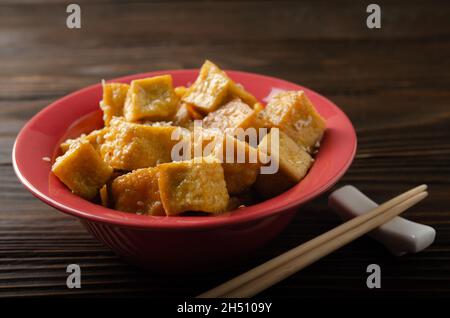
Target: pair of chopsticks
[285, 265]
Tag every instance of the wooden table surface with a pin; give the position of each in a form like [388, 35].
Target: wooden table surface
[393, 83]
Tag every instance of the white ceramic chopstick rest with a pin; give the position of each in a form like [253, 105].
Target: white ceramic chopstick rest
[399, 235]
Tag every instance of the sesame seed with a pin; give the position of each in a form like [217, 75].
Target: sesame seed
[46, 159]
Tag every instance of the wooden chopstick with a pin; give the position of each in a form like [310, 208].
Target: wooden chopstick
[271, 272]
[276, 275]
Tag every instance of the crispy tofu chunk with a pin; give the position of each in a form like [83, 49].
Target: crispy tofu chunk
[151, 98]
[240, 161]
[104, 196]
[95, 138]
[234, 114]
[260, 121]
[130, 146]
[240, 165]
[295, 115]
[239, 177]
[237, 90]
[82, 170]
[293, 161]
[138, 192]
[114, 95]
[209, 89]
[200, 143]
[192, 186]
[182, 116]
[195, 115]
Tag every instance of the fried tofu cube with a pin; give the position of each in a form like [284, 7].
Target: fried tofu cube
[130, 146]
[239, 177]
[151, 98]
[260, 121]
[185, 116]
[195, 115]
[294, 114]
[235, 114]
[209, 89]
[95, 138]
[293, 164]
[104, 196]
[82, 170]
[182, 116]
[237, 90]
[294, 161]
[240, 162]
[138, 192]
[200, 143]
[114, 95]
[195, 185]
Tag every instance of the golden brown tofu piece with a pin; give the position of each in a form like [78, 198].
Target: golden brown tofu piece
[138, 192]
[240, 165]
[237, 90]
[82, 170]
[209, 89]
[182, 116]
[260, 121]
[195, 115]
[95, 138]
[193, 186]
[200, 143]
[234, 114]
[239, 160]
[151, 98]
[271, 185]
[295, 115]
[130, 146]
[114, 95]
[293, 162]
[104, 196]
[239, 177]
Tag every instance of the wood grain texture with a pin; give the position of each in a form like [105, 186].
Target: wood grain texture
[393, 83]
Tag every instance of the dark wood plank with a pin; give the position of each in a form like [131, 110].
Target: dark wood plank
[393, 83]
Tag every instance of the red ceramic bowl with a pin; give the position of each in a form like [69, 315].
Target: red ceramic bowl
[176, 243]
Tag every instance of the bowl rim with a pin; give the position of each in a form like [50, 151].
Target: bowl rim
[254, 212]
